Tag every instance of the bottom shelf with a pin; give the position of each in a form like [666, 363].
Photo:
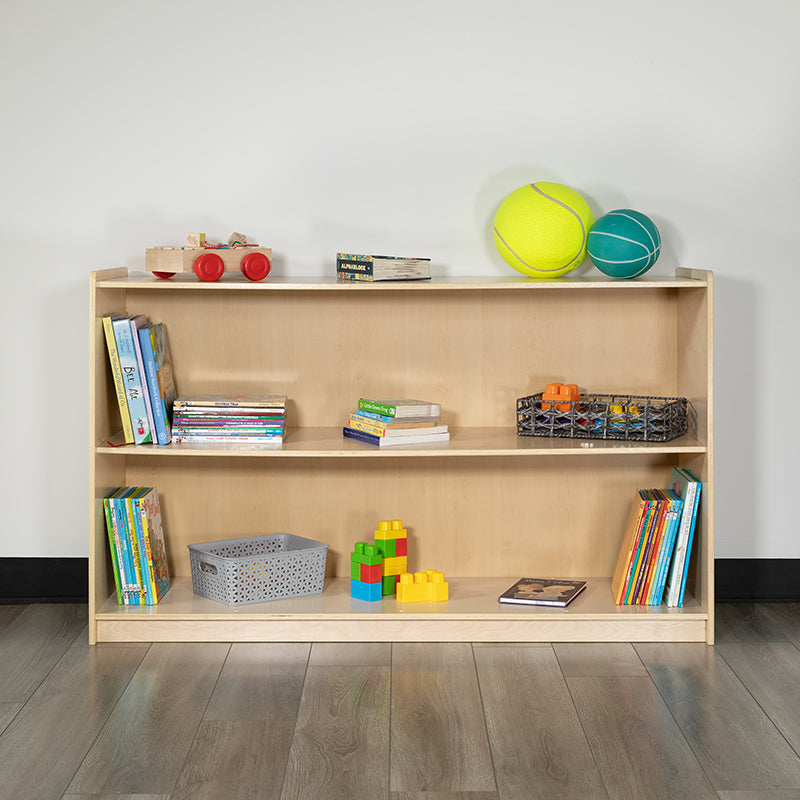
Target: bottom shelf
[471, 614]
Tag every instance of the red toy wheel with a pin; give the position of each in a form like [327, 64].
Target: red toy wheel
[255, 266]
[209, 267]
[164, 275]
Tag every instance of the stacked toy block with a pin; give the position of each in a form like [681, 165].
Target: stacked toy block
[375, 569]
[366, 572]
[391, 540]
[428, 585]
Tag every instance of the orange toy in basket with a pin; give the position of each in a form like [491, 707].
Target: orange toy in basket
[560, 391]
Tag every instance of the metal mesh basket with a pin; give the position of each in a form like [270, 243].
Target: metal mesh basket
[627, 417]
[258, 568]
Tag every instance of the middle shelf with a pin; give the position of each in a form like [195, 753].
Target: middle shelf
[319, 442]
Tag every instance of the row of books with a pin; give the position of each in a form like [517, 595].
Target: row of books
[143, 380]
[386, 422]
[653, 561]
[136, 542]
[249, 418]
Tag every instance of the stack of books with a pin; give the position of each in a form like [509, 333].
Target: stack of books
[249, 418]
[653, 562]
[142, 370]
[386, 422]
[136, 541]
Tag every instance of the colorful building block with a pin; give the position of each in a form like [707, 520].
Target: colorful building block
[366, 591]
[428, 585]
[366, 572]
[395, 566]
[390, 584]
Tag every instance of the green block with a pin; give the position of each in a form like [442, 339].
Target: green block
[364, 553]
[389, 584]
[387, 547]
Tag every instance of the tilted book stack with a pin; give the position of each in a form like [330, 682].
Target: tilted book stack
[653, 561]
[387, 422]
[136, 542]
[141, 367]
[246, 418]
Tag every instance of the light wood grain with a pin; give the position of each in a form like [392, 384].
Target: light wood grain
[598, 659]
[737, 744]
[142, 747]
[7, 712]
[45, 743]
[340, 749]
[507, 500]
[438, 737]
[638, 748]
[538, 746]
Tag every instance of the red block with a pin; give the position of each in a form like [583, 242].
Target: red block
[371, 574]
[402, 547]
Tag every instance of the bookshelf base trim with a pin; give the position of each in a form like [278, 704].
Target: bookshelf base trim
[472, 614]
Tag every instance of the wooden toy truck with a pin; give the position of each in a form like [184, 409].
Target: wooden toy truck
[209, 262]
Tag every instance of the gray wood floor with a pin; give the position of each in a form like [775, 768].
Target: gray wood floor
[399, 721]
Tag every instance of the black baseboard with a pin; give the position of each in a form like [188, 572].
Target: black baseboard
[66, 580]
[757, 580]
[44, 580]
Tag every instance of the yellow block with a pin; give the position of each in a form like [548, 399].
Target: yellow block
[395, 566]
[428, 585]
[391, 529]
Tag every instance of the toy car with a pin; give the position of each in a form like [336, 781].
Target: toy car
[209, 262]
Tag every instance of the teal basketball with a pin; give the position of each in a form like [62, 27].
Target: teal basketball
[624, 243]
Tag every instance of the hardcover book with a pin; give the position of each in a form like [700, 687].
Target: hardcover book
[400, 408]
[353, 267]
[558, 592]
[160, 383]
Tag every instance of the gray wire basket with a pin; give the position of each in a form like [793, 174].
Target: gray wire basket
[626, 417]
[258, 568]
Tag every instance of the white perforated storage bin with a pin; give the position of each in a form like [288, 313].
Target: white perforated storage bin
[258, 568]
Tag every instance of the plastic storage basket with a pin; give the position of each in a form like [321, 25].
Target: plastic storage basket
[258, 568]
[628, 417]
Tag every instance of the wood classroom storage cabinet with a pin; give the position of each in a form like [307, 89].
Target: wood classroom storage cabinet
[485, 508]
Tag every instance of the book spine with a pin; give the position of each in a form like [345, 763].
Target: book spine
[112, 544]
[364, 404]
[119, 383]
[159, 410]
[366, 427]
[141, 550]
[676, 568]
[137, 323]
[363, 436]
[687, 555]
[132, 380]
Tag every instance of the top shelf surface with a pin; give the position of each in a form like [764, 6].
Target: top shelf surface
[121, 279]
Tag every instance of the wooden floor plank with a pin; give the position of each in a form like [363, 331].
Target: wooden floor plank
[538, 746]
[439, 740]
[242, 744]
[46, 742]
[638, 747]
[745, 622]
[32, 643]
[770, 671]
[598, 659]
[142, 747]
[8, 613]
[116, 797]
[738, 746]
[340, 747]
[7, 712]
[443, 796]
[771, 794]
[785, 616]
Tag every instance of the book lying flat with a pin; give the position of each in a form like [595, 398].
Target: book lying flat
[543, 592]
[387, 441]
[355, 267]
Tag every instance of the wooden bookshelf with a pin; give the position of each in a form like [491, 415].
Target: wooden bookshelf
[486, 508]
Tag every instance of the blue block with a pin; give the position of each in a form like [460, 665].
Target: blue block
[365, 591]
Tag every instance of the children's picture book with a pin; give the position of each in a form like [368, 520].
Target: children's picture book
[543, 592]
[688, 488]
[133, 380]
[116, 372]
[400, 408]
[160, 382]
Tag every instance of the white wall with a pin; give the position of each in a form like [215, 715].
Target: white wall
[315, 126]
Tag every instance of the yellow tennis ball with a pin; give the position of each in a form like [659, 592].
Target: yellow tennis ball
[541, 229]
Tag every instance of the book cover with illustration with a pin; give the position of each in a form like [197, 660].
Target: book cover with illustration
[558, 592]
